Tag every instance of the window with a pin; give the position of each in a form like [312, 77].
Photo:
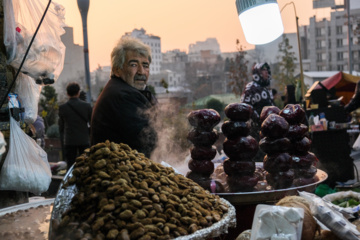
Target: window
[329, 43]
[329, 31]
[317, 32]
[339, 29]
[340, 56]
[329, 57]
[340, 67]
[318, 44]
[339, 43]
[319, 57]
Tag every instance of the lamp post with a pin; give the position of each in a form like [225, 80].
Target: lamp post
[84, 8]
[299, 47]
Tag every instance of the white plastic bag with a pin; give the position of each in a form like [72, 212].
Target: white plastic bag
[26, 167]
[45, 59]
[331, 218]
[356, 145]
[28, 93]
[277, 222]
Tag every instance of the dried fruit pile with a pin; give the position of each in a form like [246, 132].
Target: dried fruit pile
[124, 195]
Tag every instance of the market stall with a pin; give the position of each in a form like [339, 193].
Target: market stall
[332, 142]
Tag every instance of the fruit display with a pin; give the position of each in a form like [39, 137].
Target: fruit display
[277, 162]
[303, 161]
[121, 194]
[203, 136]
[240, 147]
[284, 139]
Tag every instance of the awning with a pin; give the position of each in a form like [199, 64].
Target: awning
[343, 83]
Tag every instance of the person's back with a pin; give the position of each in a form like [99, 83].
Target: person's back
[74, 117]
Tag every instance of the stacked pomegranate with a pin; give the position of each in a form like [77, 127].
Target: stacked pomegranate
[277, 161]
[240, 147]
[202, 136]
[303, 161]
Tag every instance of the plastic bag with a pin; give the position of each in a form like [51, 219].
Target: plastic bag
[277, 222]
[347, 211]
[331, 218]
[356, 145]
[26, 167]
[45, 59]
[28, 93]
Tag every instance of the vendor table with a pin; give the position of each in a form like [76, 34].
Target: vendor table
[245, 203]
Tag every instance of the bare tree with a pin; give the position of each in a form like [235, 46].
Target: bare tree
[238, 70]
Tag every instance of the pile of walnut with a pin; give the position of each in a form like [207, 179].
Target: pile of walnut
[124, 195]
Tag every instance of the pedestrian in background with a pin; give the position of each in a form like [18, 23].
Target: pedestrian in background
[74, 119]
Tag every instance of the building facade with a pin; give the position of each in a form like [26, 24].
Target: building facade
[328, 47]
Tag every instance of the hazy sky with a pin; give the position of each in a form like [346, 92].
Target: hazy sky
[177, 23]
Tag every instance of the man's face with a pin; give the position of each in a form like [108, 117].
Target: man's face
[265, 74]
[136, 70]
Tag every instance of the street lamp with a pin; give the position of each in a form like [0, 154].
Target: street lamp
[84, 8]
[299, 47]
[265, 15]
[260, 20]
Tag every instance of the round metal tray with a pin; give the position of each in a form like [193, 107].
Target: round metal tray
[243, 198]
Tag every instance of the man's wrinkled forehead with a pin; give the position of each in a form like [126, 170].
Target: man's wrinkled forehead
[132, 56]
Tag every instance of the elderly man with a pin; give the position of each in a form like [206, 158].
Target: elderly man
[122, 112]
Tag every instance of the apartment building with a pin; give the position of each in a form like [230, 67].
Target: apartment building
[328, 47]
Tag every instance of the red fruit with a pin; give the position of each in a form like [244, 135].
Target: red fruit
[241, 148]
[203, 153]
[205, 119]
[274, 126]
[277, 163]
[297, 131]
[239, 111]
[202, 138]
[267, 110]
[304, 162]
[301, 146]
[273, 146]
[203, 167]
[234, 129]
[239, 168]
[293, 113]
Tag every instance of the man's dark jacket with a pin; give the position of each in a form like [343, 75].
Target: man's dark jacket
[122, 115]
[73, 128]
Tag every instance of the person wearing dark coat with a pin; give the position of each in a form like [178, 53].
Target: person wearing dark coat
[256, 93]
[74, 120]
[123, 110]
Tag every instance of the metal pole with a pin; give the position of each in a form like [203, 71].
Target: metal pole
[299, 47]
[300, 59]
[84, 8]
[349, 36]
